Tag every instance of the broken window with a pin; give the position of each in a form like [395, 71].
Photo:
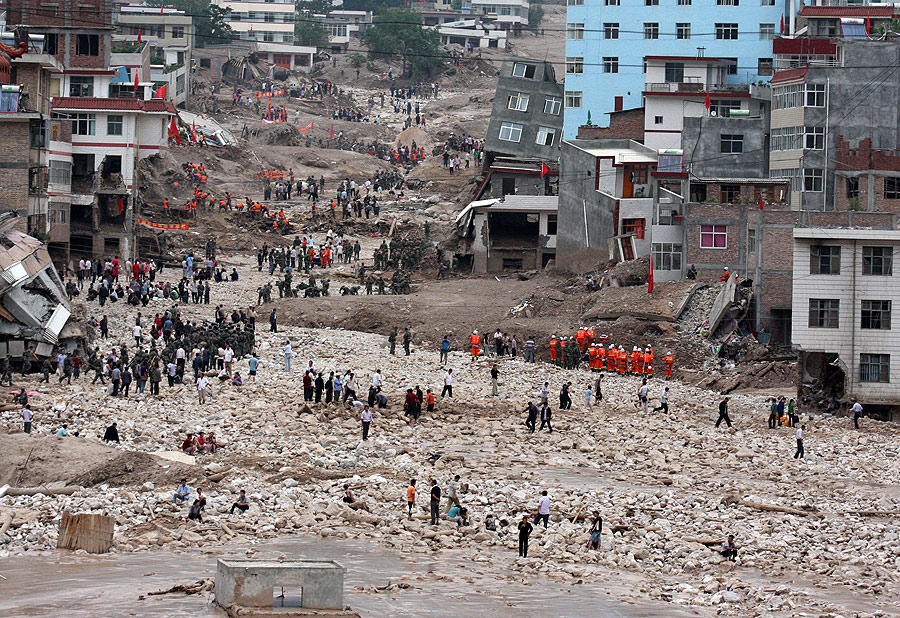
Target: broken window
[87, 45]
[823, 312]
[876, 315]
[825, 260]
[634, 226]
[877, 261]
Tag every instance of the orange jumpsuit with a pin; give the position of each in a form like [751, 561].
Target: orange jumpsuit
[589, 336]
[636, 358]
[601, 357]
[579, 337]
[622, 356]
[648, 364]
[553, 343]
[612, 356]
[669, 361]
[475, 340]
[592, 354]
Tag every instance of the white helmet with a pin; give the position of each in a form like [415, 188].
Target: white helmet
[553, 336]
[612, 346]
[474, 332]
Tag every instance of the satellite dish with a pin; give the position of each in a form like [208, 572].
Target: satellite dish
[713, 112]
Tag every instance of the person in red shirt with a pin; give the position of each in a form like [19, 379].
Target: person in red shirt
[429, 399]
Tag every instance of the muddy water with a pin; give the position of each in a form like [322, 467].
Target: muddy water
[70, 586]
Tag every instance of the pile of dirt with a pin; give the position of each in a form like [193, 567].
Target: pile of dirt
[417, 135]
[42, 460]
[280, 134]
[666, 302]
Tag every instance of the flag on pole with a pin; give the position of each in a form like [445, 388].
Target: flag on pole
[331, 133]
[650, 276]
[194, 132]
[782, 23]
[868, 25]
[174, 133]
[760, 201]
[137, 83]
[160, 92]
[139, 35]
[544, 169]
[161, 6]
[269, 113]
[707, 101]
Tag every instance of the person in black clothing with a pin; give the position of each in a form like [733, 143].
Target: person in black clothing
[525, 529]
[565, 401]
[723, 412]
[273, 322]
[546, 413]
[596, 531]
[729, 549]
[112, 433]
[319, 385]
[532, 412]
[196, 512]
[435, 502]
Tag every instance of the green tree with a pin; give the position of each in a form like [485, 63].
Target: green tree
[209, 21]
[455, 4]
[535, 15]
[399, 32]
[309, 32]
[376, 6]
[322, 7]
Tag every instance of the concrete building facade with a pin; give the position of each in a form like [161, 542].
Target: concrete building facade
[526, 119]
[606, 41]
[269, 21]
[342, 26]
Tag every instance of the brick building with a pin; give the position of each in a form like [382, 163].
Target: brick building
[623, 124]
[867, 178]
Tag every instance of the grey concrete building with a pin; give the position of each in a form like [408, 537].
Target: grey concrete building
[720, 147]
[526, 120]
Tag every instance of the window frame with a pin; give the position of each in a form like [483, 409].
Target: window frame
[813, 180]
[610, 64]
[85, 85]
[710, 233]
[817, 259]
[892, 193]
[611, 31]
[511, 128]
[87, 44]
[822, 315]
[110, 122]
[651, 30]
[672, 71]
[636, 226]
[766, 32]
[683, 31]
[731, 143]
[612, 2]
[574, 65]
[575, 31]
[875, 316]
[84, 124]
[521, 100]
[818, 137]
[573, 95]
[666, 254]
[546, 132]
[525, 69]
[554, 103]
[867, 362]
[727, 31]
[816, 93]
[880, 264]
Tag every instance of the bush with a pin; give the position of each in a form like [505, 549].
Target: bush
[356, 60]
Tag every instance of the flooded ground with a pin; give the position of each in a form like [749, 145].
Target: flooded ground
[63, 584]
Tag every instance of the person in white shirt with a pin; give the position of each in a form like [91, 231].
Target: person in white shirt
[799, 453]
[136, 331]
[287, 356]
[366, 422]
[202, 383]
[543, 509]
[448, 384]
[857, 410]
[663, 401]
[228, 355]
[376, 379]
[643, 393]
[545, 393]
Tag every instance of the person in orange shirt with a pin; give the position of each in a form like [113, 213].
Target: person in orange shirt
[637, 360]
[312, 255]
[429, 400]
[612, 357]
[579, 337]
[553, 344]
[669, 360]
[601, 356]
[622, 357]
[475, 340]
[411, 496]
[314, 208]
[648, 362]
[166, 204]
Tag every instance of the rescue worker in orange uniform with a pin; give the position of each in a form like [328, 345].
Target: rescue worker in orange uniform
[612, 356]
[637, 359]
[601, 356]
[622, 357]
[579, 337]
[589, 336]
[563, 343]
[475, 340]
[669, 360]
[648, 362]
[166, 204]
[553, 344]
[592, 357]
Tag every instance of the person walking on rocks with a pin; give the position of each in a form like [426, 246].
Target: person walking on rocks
[525, 530]
[643, 395]
[435, 502]
[723, 412]
[495, 375]
[546, 413]
[287, 356]
[531, 419]
[596, 532]
[366, 422]
[543, 509]
[392, 340]
[598, 393]
[799, 453]
[857, 410]
[663, 401]
[411, 497]
[448, 384]
[445, 350]
[202, 383]
[452, 497]
[565, 401]
[273, 322]
[27, 417]
[588, 395]
[407, 339]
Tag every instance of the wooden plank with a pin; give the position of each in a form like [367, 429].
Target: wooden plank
[91, 532]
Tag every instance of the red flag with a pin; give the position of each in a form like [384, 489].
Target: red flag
[544, 169]
[760, 201]
[161, 9]
[706, 101]
[139, 35]
[782, 23]
[650, 276]
[194, 132]
[160, 92]
[269, 114]
[174, 132]
[868, 26]
[120, 204]
[331, 134]
[136, 80]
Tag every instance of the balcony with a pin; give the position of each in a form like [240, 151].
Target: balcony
[685, 86]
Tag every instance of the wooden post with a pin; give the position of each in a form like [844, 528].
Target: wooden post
[88, 531]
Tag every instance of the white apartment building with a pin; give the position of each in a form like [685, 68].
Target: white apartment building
[272, 22]
[843, 298]
[508, 14]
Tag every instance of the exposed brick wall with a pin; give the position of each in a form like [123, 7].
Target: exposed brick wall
[67, 13]
[628, 124]
[864, 158]
[14, 166]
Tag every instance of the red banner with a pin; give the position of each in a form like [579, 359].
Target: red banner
[306, 128]
[163, 226]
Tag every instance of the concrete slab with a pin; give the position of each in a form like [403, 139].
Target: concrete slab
[251, 583]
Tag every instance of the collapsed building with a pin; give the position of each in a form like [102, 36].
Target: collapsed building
[34, 307]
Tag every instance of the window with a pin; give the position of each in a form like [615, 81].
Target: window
[814, 180]
[784, 97]
[114, 123]
[87, 45]
[545, 136]
[574, 64]
[823, 313]
[573, 98]
[552, 105]
[177, 32]
[651, 2]
[730, 193]
[875, 368]
[792, 174]
[657, 120]
[723, 107]
[552, 221]
[575, 3]
[60, 172]
[766, 32]
[767, 3]
[517, 101]
[713, 237]
[612, 2]
[666, 256]
[205, 63]
[751, 241]
[727, 32]
[634, 226]
[81, 86]
[727, 2]
[651, 30]
[815, 95]
[511, 132]
[732, 144]
[876, 315]
[731, 68]
[891, 188]
[611, 31]
[765, 66]
[825, 260]
[674, 71]
[814, 138]
[83, 124]
[575, 32]
[51, 43]
[512, 263]
[852, 188]
[789, 138]
[610, 64]
[684, 2]
[520, 69]
[683, 31]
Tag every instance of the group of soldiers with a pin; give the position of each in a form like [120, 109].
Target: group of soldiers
[569, 352]
[405, 254]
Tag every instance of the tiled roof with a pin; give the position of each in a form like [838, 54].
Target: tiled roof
[96, 103]
[789, 74]
[847, 11]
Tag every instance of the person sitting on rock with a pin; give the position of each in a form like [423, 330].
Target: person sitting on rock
[196, 512]
[236, 380]
[188, 446]
[490, 523]
[729, 549]
[182, 492]
[241, 504]
[348, 495]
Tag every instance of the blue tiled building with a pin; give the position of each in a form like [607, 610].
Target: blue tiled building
[606, 41]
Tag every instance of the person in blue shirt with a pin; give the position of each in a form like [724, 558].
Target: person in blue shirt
[254, 364]
[62, 433]
[445, 349]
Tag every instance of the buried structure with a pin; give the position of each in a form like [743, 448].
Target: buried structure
[261, 585]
